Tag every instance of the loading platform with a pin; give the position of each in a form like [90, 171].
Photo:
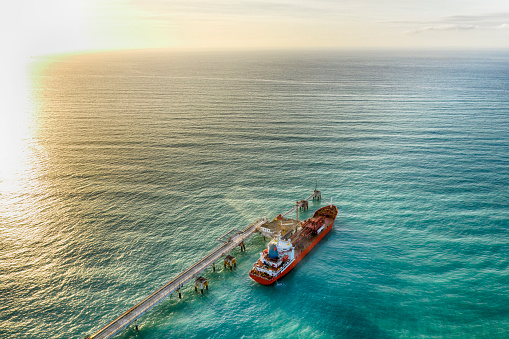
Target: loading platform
[230, 241]
[317, 195]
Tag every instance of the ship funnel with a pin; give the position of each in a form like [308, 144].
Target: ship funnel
[273, 254]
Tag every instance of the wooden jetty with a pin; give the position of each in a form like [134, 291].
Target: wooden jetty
[230, 241]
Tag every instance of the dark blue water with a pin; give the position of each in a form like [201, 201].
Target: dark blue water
[136, 162]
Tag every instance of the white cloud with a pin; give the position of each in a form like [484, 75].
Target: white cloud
[482, 22]
[447, 27]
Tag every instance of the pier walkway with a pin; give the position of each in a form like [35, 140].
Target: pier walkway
[230, 240]
[175, 284]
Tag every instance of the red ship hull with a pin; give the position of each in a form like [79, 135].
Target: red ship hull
[265, 281]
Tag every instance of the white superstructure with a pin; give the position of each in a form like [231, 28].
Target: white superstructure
[276, 257]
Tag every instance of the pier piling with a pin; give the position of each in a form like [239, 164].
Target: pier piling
[201, 282]
[230, 261]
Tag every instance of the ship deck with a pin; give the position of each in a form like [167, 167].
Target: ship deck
[302, 239]
[284, 226]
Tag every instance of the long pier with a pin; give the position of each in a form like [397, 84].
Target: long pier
[231, 240]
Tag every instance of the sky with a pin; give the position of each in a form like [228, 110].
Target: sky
[33, 28]
[36, 27]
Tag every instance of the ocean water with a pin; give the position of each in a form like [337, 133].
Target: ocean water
[132, 164]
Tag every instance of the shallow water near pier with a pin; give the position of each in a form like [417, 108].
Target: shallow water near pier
[132, 164]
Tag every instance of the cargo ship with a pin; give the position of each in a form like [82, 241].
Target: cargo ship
[285, 251]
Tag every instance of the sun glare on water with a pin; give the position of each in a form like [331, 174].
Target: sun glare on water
[20, 159]
[16, 127]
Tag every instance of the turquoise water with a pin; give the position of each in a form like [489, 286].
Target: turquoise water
[134, 163]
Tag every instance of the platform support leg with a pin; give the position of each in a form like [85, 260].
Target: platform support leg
[180, 295]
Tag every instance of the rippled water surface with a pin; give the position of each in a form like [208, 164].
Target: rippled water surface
[132, 164]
